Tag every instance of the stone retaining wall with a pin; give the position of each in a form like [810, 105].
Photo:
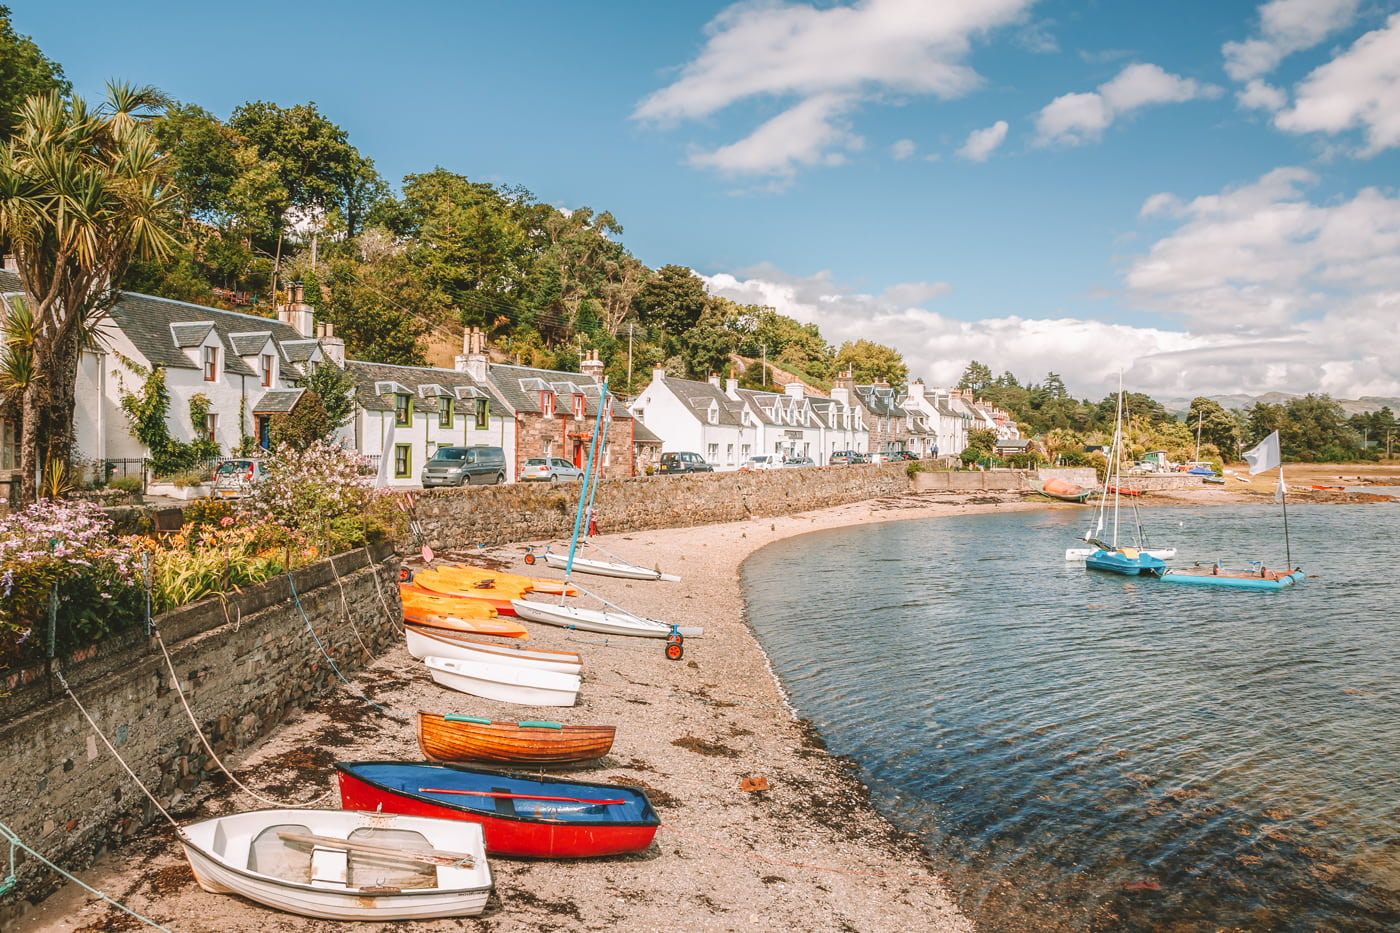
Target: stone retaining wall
[494, 515]
[244, 664]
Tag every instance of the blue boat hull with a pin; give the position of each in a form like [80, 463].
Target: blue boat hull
[1238, 579]
[1127, 562]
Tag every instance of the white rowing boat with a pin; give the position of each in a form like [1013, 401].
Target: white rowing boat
[608, 569]
[505, 682]
[343, 864]
[426, 642]
[596, 620]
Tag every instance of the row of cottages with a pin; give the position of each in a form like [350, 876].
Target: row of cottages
[728, 425]
[249, 369]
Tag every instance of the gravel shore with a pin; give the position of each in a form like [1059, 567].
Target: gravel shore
[808, 853]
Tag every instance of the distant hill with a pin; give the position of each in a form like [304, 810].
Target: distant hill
[1352, 406]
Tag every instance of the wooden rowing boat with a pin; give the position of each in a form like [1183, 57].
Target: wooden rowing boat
[425, 642]
[1063, 490]
[468, 738]
[520, 815]
[343, 864]
[507, 683]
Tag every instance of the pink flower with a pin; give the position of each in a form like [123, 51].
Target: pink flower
[226, 521]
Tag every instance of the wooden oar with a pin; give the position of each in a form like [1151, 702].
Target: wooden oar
[490, 793]
[427, 856]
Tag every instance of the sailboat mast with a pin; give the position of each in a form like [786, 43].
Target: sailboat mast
[1283, 498]
[1117, 452]
[584, 492]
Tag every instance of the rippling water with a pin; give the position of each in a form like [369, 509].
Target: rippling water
[1083, 751]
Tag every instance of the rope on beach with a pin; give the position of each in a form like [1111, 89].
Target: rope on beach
[345, 606]
[15, 842]
[923, 879]
[608, 643]
[331, 661]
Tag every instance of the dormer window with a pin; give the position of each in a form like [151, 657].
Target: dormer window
[445, 412]
[579, 407]
[714, 413]
[403, 410]
[547, 403]
[267, 369]
[211, 363]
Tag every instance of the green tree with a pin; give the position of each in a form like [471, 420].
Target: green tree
[976, 377]
[871, 362]
[1215, 426]
[82, 193]
[24, 73]
[672, 299]
[304, 425]
[334, 389]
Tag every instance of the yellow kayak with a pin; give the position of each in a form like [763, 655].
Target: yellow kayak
[473, 575]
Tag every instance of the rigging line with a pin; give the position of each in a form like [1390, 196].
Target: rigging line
[926, 879]
[312, 629]
[345, 605]
[175, 679]
[15, 842]
[125, 767]
[578, 512]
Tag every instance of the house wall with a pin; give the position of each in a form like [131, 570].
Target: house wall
[670, 419]
[245, 665]
[561, 434]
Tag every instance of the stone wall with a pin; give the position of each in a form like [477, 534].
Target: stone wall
[494, 515]
[245, 665]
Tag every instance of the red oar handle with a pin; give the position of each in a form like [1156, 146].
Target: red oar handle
[488, 793]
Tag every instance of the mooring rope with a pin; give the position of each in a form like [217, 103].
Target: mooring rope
[345, 605]
[296, 598]
[175, 679]
[16, 842]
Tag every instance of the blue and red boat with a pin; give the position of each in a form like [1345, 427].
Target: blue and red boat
[520, 816]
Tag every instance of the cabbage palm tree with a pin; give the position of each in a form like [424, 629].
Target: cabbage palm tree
[83, 192]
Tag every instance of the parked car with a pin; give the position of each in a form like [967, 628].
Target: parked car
[235, 479]
[683, 461]
[550, 470]
[760, 463]
[458, 466]
[799, 462]
[839, 457]
[904, 455]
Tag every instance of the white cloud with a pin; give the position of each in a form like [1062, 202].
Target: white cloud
[1260, 95]
[810, 133]
[1074, 119]
[982, 143]
[1285, 27]
[852, 53]
[903, 149]
[1359, 89]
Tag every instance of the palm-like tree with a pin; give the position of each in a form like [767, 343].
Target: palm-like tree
[83, 192]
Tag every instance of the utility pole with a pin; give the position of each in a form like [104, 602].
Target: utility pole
[765, 365]
[630, 325]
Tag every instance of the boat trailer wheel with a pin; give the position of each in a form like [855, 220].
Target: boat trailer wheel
[674, 651]
[530, 559]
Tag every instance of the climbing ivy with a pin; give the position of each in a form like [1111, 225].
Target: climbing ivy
[146, 410]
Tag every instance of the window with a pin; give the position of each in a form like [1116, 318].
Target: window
[744, 451]
[267, 369]
[445, 412]
[403, 410]
[712, 453]
[483, 412]
[211, 363]
[728, 453]
[547, 403]
[403, 460]
[211, 427]
[579, 408]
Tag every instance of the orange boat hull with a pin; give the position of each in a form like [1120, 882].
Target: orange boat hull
[450, 603]
[443, 739]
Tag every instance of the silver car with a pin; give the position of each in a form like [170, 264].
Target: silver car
[550, 470]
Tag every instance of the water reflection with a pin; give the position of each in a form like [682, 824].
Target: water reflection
[1091, 752]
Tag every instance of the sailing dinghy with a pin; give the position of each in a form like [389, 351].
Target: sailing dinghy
[343, 864]
[425, 642]
[505, 682]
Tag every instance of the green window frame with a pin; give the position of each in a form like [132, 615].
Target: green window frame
[445, 412]
[403, 410]
[483, 412]
[403, 460]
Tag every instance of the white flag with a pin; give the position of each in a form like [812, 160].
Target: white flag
[1264, 456]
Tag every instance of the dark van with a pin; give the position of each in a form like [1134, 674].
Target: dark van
[458, 466]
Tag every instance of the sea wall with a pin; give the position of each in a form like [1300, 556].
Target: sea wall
[245, 664]
[494, 515]
[1008, 480]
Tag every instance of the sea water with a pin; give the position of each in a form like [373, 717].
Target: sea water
[1085, 751]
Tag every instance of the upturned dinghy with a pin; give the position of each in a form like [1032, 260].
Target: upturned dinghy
[343, 864]
[427, 642]
[505, 682]
[520, 815]
[529, 742]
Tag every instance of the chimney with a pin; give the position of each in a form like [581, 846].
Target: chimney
[658, 373]
[11, 264]
[297, 313]
[473, 359]
[793, 389]
[714, 380]
[916, 390]
[331, 345]
[731, 388]
[591, 366]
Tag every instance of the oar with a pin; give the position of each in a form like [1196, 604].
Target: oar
[427, 856]
[491, 793]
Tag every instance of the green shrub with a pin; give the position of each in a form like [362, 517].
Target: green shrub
[186, 480]
[127, 484]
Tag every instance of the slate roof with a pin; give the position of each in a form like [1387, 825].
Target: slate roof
[697, 397]
[641, 434]
[519, 388]
[454, 384]
[277, 401]
[250, 343]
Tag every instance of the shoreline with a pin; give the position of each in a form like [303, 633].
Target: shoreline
[808, 853]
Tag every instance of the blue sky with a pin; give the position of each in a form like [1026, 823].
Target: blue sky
[1201, 193]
